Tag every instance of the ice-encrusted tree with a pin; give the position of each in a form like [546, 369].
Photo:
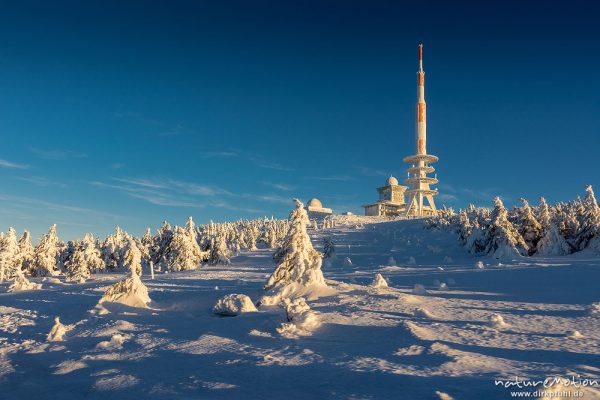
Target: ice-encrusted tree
[130, 291]
[26, 252]
[503, 240]
[184, 253]
[86, 259]
[298, 263]
[553, 243]
[8, 254]
[544, 216]
[589, 221]
[46, 254]
[529, 227]
[219, 252]
[113, 249]
[132, 258]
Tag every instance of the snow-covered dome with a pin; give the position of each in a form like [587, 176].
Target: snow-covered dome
[315, 203]
[392, 181]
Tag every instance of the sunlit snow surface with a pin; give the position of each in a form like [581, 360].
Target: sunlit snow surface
[372, 343]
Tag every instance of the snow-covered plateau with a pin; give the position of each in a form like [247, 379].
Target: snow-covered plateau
[472, 322]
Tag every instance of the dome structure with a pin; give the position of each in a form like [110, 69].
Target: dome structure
[392, 181]
[316, 203]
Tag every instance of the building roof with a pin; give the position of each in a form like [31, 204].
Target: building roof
[392, 181]
[316, 203]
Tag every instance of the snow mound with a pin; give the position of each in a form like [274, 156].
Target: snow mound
[347, 262]
[379, 282]
[595, 308]
[497, 321]
[440, 285]
[419, 289]
[296, 290]
[479, 265]
[130, 292]
[574, 334]
[301, 319]
[115, 342]
[21, 283]
[443, 396]
[423, 313]
[234, 304]
[57, 332]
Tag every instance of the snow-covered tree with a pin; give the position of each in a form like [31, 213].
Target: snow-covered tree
[46, 254]
[9, 250]
[113, 249]
[328, 247]
[553, 243]
[299, 264]
[589, 221]
[25, 253]
[219, 252]
[503, 240]
[132, 258]
[184, 252]
[529, 227]
[85, 260]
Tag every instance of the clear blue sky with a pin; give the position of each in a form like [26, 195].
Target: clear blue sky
[129, 113]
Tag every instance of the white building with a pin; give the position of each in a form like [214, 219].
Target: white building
[316, 210]
[391, 200]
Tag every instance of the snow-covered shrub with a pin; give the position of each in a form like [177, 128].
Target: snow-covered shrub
[234, 304]
[497, 321]
[46, 254]
[299, 264]
[379, 282]
[57, 332]
[423, 313]
[328, 247]
[21, 283]
[301, 319]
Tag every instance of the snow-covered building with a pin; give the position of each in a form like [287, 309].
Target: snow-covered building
[391, 200]
[316, 210]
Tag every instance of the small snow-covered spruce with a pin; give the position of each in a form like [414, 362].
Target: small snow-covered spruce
[328, 247]
[132, 258]
[21, 283]
[379, 282]
[219, 252]
[298, 268]
[234, 304]
[113, 249]
[46, 254]
[57, 332]
[129, 291]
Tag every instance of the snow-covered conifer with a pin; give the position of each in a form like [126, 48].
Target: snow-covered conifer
[132, 258]
[9, 250]
[20, 283]
[529, 227]
[503, 240]
[46, 254]
[589, 221]
[299, 264]
[328, 247]
[26, 251]
[86, 259]
[184, 253]
[219, 252]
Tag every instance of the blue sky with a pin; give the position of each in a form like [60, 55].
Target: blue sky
[130, 114]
